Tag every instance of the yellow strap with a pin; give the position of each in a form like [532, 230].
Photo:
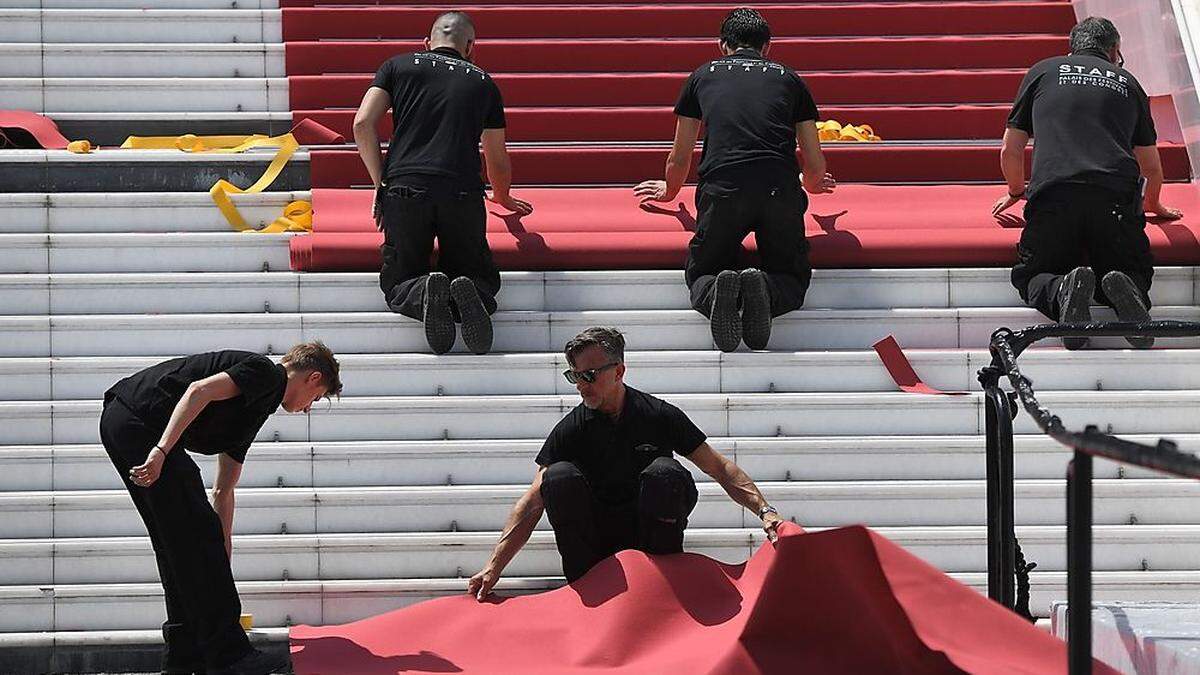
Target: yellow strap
[297, 216]
[82, 147]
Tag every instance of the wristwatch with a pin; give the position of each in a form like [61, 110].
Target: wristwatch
[767, 509]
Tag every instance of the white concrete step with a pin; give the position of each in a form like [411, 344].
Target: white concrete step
[666, 372]
[98, 59]
[281, 603]
[140, 4]
[32, 468]
[56, 253]
[108, 292]
[384, 332]
[133, 212]
[899, 503]
[59, 97]
[52, 26]
[517, 417]
[299, 557]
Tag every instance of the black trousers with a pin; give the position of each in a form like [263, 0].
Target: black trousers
[587, 530]
[203, 608]
[1071, 225]
[411, 218]
[725, 215]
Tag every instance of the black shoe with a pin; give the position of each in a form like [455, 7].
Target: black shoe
[1127, 300]
[726, 324]
[439, 324]
[476, 324]
[1075, 302]
[756, 309]
[256, 663]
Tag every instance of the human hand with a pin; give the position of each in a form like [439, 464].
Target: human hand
[481, 584]
[1005, 202]
[652, 191]
[770, 525]
[146, 473]
[518, 206]
[826, 185]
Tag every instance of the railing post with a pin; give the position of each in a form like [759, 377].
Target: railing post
[1008, 528]
[995, 539]
[1079, 564]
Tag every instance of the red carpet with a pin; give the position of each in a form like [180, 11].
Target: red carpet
[37, 128]
[852, 163]
[603, 228]
[312, 92]
[672, 21]
[647, 123]
[840, 602]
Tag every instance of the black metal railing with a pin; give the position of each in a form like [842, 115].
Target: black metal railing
[1008, 574]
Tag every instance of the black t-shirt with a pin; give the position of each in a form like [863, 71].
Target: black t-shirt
[611, 454]
[1085, 115]
[750, 107]
[441, 103]
[227, 426]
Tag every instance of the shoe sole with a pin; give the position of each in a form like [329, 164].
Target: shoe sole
[439, 324]
[476, 324]
[1078, 305]
[725, 322]
[756, 309]
[1124, 296]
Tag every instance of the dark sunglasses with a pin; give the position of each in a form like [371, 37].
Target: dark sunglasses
[589, 376]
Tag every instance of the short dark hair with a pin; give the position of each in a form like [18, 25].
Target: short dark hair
[745, 27]
[316, 357]
[608, 339]
[1094, 32]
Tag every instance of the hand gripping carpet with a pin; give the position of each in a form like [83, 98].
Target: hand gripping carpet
[838, 602]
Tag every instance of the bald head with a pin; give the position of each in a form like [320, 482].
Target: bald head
[453, 29]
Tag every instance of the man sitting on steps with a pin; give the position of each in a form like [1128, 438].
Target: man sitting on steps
[606, 476]
[1096, 172]
[430, 186]
[754, 111]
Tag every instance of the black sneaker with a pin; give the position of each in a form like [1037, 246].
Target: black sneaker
[1127, 300]
[1075, 302]
[256, 663]
[756, 309]
[724, 319]
[476, 324]
[439, 324]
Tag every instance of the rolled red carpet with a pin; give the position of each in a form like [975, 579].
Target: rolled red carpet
[839, 602]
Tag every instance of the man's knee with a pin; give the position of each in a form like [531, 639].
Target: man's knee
[565, 492]
[668, 491]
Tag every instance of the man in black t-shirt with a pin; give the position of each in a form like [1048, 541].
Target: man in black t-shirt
[754, 110]
[429, 186]
[213, 404]
[1096, 172]
[606, 476]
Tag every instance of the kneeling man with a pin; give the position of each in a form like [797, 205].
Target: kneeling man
[606, 476]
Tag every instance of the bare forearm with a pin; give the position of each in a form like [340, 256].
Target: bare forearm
[1154, 183]
[223, 503]
[499, 171]
[676, 174]
[520, 525]
[740, 488]
[367, 140]
[1012, 165]
[186, 410]
[813, 171]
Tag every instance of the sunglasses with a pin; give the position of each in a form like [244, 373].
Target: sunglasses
[589, 376]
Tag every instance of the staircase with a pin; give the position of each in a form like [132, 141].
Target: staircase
[396, 493]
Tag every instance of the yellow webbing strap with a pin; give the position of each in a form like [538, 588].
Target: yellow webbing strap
[297, 216]
[832, 130]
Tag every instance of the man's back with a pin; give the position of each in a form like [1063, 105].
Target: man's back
[1085, 114]
[750, 107]
[441, 104]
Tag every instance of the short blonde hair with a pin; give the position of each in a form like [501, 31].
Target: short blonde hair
[316, 357]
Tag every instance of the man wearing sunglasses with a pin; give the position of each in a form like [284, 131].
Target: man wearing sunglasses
[606, 476]
[1096, 173]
